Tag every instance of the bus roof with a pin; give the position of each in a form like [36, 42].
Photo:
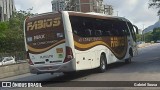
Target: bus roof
[82, 13]
[99, 14]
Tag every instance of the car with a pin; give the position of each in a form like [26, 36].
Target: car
[158, 41]
[7, 60]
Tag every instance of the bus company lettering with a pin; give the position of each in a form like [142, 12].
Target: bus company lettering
[37, 37]
[45, 23]
[117, 41]
[46, 56]
[45, 42]
[89, 39]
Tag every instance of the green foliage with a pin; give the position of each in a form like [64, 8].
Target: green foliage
[148, 37]
[139, 37]
[3, 28]
[155, 4]
[11, 33]
[156, 34]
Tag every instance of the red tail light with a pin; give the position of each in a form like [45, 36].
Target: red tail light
[69, 54]
[29, 60]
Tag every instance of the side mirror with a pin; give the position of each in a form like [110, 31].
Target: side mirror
[136, 28]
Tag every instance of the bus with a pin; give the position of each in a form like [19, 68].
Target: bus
[69, 41]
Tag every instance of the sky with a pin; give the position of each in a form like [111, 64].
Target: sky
[136, 11]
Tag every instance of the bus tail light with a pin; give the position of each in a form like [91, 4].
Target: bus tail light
[69, 54]
[29, 60]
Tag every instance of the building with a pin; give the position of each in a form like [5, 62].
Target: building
[108, 9]
[60, 5]
[82, 6]
[91, 6]
[7, 8]
[140, 31]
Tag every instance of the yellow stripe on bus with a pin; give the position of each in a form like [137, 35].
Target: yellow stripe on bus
[90, 45]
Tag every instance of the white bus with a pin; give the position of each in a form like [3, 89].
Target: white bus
[70, 41]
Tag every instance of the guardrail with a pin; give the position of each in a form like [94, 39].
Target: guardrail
[14, 69]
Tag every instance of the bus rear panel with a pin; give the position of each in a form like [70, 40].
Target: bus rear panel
[46, 45]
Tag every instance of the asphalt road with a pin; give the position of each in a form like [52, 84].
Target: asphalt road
[144, 67]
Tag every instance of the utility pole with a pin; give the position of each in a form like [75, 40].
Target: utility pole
[117, 13]
[143, 34]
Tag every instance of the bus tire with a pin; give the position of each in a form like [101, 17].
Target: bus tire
[129, 60]
[102, 67]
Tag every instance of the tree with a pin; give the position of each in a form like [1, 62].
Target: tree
[148, 37]
[139, 37]
[17, 19]
[156, 34]
[155, 4]
[11, 32]
[3, 28]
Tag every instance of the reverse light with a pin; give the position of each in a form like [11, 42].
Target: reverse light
[69, 55]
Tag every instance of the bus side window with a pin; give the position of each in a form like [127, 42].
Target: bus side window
[126, 32]
[114, 32]
[75, 31]
[98, 33]
[107, 33]
[88, 32]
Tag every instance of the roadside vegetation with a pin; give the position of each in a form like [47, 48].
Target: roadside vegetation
[150, 36]
[11, 33]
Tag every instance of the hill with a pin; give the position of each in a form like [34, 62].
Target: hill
[150, 28]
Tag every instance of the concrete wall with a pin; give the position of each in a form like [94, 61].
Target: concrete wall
[14, 70]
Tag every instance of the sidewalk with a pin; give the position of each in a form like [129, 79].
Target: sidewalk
[144, 45]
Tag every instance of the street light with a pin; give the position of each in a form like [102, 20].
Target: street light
[143, 34]
[117, 13]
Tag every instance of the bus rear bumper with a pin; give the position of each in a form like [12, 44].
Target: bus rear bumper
[40, 69]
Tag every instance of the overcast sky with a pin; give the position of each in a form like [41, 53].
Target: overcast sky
[135, 10]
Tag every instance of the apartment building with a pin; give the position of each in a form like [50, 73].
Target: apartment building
[82, 6]
[7, 8]
[60, 5]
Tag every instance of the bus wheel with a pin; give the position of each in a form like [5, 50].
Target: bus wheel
[102, 67]
[127, 61]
